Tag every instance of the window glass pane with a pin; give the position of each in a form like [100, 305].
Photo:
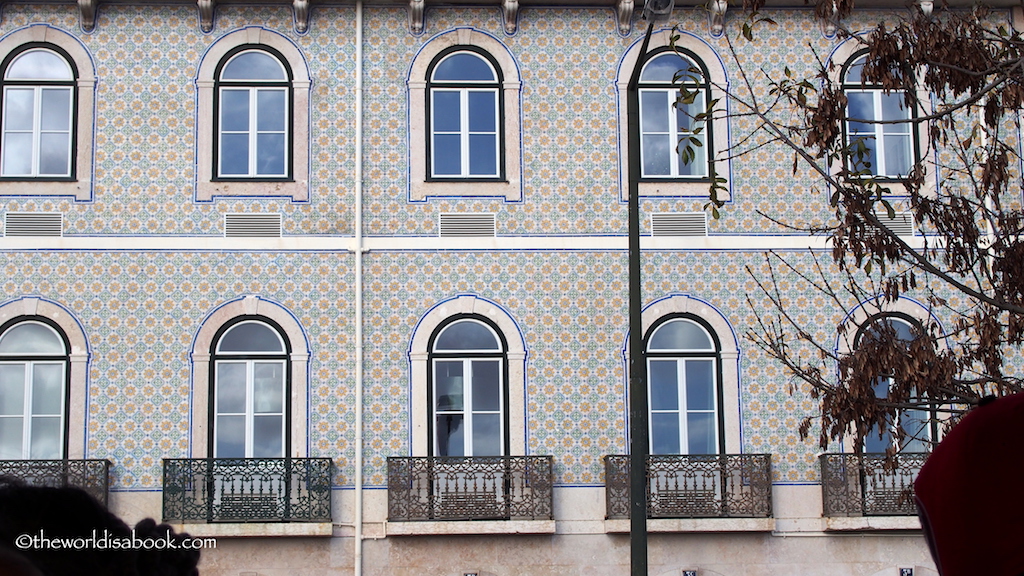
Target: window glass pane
[254, 65]
[860, 106]
[657, 152]
[700, 384]
[664, 384]
[268, 437]
[268, 387]
[698, 166]
[487, 435]
[11, 430]
[230, 440]
[654, 111]
[700, 432]
[483, 108]
[665, 433]
[231, 387]
[450, 440]
[483, 155]
[447, 152]
[866, 159]
[250, 337]
[270, 154]
[17, 154]
[39, 65]
[894, 108]
[448, 385]
[466, 335]
[234, 154]
[46, 438]
[663, 69]
[234, 110]
[680, 335]
[446, 111]
[464, 66]
[270, 110]
[56, 109]
[47, 389]
[19, 105]
[686, 114]
[54, 154]
[486, 385]
[897, 155]
[854, 72]
[916, 430]
[12, 389]
[31, 338]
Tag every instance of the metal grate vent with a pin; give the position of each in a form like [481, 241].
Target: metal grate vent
[902, 224]
[679, 224]
[34, 224]
[467, 224]
[252, 225]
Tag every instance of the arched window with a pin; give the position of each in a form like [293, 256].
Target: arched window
[250, 365]
[684, 392]
[468, 394]
[253, 115]
[38, 114]
[34, 373]
[917, 424]
[888, 149]
[673, 142]
[465, 111]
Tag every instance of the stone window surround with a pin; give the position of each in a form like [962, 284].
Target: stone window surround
[419, 354]
[81, 186]
[719, 123]
[511, 190]
[678, 304]
[299, 365]
[78, 355]
[298, 187]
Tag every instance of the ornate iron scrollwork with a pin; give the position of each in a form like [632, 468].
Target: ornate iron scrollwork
[869, 484]
[93, 476]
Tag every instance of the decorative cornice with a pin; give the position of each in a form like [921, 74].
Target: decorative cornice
[88, 14]
[300, 10]
[416, 16]
[510, 9]
[206, 14]
[624, 10]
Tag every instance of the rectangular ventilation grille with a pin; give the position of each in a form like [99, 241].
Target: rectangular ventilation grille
[467, 225]
[34, 224]
[679, 224]
[902, 224]
[252, 225]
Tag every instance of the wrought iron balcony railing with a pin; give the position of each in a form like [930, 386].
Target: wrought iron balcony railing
[868, 485]
[247, 490]
[470, 488]
[695, 486]
[93, 476]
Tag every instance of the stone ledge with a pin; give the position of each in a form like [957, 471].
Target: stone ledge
[463, 527]
[860, 523]
[695, 525]
[256, 529]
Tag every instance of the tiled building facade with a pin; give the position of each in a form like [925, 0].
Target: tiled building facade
[143, 269]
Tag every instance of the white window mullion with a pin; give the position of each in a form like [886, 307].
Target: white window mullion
[249, 408]
[684, 432]
[464, 132]
[253, 116]
[467, 407]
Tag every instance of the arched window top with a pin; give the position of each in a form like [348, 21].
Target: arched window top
[671, 68]
[463, 66]
[39, 64]
[904, 328]
[467, 335]
[251, 337]
[254, 65]
[855, 69]
[680, 335]
[31, 338]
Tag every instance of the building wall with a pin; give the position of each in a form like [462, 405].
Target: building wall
[143, 263]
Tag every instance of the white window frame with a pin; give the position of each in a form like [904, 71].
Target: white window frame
[208, 184]
[878, 132]
[26, 415]
[467, 358]
[464, 133]
[675, 132]
[699, 51]
[509, 186]
[78, 184]
[36, 131]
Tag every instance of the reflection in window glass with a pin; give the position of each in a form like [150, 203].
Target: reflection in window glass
[464, 117]
[665, 120]
[37, 117]
[253, 115]
[33, 383]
